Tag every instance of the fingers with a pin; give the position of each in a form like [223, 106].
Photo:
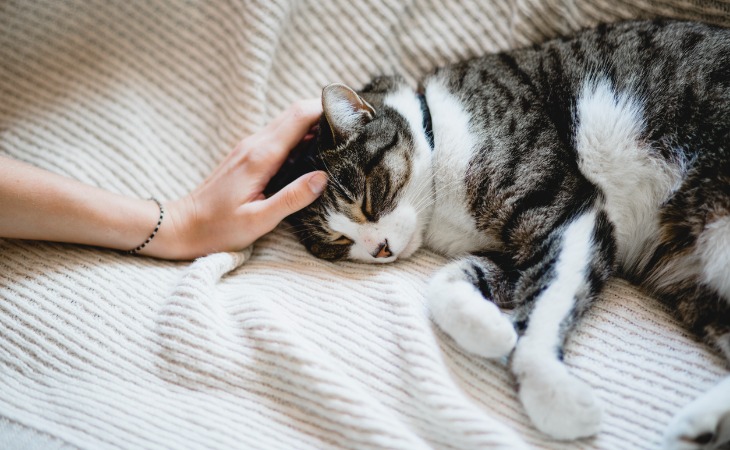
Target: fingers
[292, 125]
[295, 196]
[266, 150]
[311, 107]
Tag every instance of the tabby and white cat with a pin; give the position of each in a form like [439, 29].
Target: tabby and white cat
[542, 172]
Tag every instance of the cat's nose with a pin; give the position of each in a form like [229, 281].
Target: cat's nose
[383, 250]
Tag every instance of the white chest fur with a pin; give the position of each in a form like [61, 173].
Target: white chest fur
[452, 230]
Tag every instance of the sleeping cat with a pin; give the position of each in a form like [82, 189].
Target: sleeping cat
[542, 172]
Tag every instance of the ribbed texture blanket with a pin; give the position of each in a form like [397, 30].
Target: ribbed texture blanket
[271, 348]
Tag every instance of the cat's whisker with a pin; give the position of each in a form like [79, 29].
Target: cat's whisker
[423, 199]
[430, 199]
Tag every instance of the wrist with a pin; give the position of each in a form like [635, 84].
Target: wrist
[168, 242]
[174, 239]
[154, 232]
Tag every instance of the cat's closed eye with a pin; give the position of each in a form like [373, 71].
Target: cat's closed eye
[342, 240]
[367, 206]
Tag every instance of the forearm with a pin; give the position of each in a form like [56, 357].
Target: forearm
[35, 204]
[226, 212]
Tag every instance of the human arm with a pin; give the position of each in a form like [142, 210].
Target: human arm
[226, 212]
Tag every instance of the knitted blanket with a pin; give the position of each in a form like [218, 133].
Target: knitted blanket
[271, 348]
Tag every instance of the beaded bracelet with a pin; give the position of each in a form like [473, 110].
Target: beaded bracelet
[135, 250]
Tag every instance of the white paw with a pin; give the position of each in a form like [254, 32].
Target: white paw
[559, 404]
[699, 428]
[475, 323]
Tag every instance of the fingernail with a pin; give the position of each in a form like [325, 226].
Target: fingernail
[317, 183]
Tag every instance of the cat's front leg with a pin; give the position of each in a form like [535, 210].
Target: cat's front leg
[552, 295]
[461, 300]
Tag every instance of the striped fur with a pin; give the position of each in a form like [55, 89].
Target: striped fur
[554, 167]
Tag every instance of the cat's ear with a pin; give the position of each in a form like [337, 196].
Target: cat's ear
[345, 111]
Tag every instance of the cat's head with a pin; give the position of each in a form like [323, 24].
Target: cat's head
[379, 196]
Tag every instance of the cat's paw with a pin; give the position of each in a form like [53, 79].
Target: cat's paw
[475, 323]
[560, 405]
[699, 427]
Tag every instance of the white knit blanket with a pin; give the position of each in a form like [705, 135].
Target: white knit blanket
[274, 348]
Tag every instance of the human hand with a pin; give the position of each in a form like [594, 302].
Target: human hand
[229, 211]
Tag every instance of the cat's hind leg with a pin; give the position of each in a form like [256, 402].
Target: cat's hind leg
[704, 424]
[462, 297]
[553, 294]
[690, 271]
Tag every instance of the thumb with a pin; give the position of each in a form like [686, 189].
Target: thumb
[295, 196]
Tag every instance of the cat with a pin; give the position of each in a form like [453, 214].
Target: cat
[542, 172]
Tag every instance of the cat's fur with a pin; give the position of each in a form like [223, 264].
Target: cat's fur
[554, 167]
